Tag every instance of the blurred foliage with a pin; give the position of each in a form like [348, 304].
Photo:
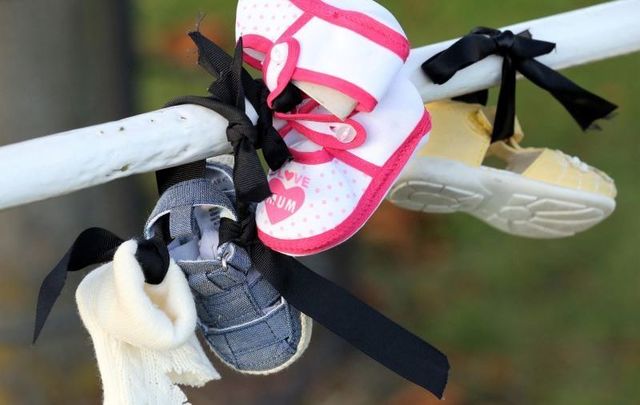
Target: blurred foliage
[523, 321]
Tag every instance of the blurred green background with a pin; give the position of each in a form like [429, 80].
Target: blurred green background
[523, 321]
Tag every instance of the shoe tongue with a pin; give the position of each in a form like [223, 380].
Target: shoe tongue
[208, 221]
[185, 251]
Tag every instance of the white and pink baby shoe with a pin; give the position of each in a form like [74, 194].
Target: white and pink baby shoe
[351, 47]
[340, 172]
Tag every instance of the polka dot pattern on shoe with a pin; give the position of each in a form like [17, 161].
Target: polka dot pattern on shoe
[266, 18]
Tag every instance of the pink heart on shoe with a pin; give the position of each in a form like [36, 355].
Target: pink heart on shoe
[289, 175]
[284, 202]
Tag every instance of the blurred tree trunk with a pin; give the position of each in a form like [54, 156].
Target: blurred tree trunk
[63, 64]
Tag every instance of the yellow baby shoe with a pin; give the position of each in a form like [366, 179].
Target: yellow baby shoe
[541, 193]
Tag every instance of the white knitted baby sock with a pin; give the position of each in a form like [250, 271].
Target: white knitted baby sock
[143, 335]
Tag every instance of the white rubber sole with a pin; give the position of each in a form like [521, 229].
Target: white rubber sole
[303, 344]
[507, 201]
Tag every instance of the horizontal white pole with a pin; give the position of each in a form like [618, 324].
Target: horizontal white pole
[581, 36]
[60, 164]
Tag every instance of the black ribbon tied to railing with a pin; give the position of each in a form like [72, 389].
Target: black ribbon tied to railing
[227, 97]
[518, 53]
[342, 313]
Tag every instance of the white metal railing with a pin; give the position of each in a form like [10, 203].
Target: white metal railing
[59, 164]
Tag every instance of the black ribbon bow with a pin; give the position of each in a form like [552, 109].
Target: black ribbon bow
[227, 97]
[218, 64]
[345, 315]
[96, 246]
[518, 52]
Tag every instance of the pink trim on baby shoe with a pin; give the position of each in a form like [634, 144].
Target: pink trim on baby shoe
[352, 160]
[323, 139]
[369, 202]
[321, 156]
[354, 21]
[257, 43]
[359, 23]
[284, 76]
[366, 102]
[329, 141]
[296, 26]
[311, 158]
[332, 148]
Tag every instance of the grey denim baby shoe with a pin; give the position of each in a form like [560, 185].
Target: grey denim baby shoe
[246, 322]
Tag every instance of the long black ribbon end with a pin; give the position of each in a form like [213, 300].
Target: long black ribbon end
[50, 290]
[345, 315]
[92, 246]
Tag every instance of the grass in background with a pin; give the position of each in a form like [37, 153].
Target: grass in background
[524, 321]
